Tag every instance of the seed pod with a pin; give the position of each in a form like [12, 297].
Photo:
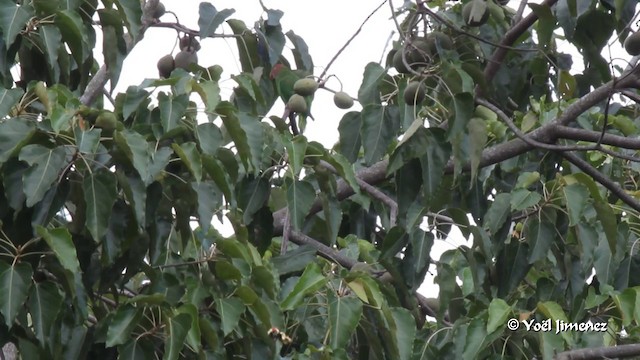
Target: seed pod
[166, 66]
[414, 93]
[305, 87]
[297, 104]
[185, 58]
[342, 100]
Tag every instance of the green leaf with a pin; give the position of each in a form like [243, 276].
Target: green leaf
[576, 197]
[172, 108]
[209, 92]
[13, 18]
[194, 336]
[45, 168]
[132, 99]
[300, 52]
[294, 260]
[522, 199]
[300, 197]
[554, 312]
[497, 213]
[403, 331]
[499, 311]
[247, 43]
[178, 328]
[123, 322]
[350, 140]
[134, 349]
[52, 41]
[73, 33]
[45, 303]
[477, 142]
[8, 98]
[15, 281]
[231, 123]
[540, 233]
[230, 310]
[209, 138]
[254, 131]
[59, 240]
[210, 18]
[100, 194]
[14, 133]
[626, 303]
[252, 195]
[546, 23]
[208, 202]
[311, 280]
[344, 169]
[190, 156]
[475, 338]
[344, 316]
[88, 141]
[434, 161]
[296, 148]
[114, 46]
[379, 126]
[609, 224]
[131, 13]
[369, 92]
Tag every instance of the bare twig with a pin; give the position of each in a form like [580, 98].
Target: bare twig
[324, 72]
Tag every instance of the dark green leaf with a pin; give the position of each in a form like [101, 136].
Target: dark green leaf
[190, 156]
[45, 168]
[124, 321]
[15, 281]
[210, 18]
[8, 98]
[99, 193]
[300, 197]
[14, 133]
[13, 18]
[171, 110]
[369, 92]
[178, 328]
[344, 316]
[311, 280]
[208, 202]
[350, 140]
[229, 310]
[59, 240]
[379, 127]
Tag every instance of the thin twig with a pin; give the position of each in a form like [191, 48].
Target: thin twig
[324, 72]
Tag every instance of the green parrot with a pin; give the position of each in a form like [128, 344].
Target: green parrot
[285, 78]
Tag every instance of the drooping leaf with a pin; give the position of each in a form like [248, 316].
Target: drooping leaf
[190, 156]
[74, 34]
[14, 133]
[344, 316]
[300, 197]
[379, 126]
[177, 328]
[369, 93]
[499, 311]
[59, 240]
[100, 193]
[229, 310]
[208, 202]
[45, 303]
[172, 108]
[15, 281]
[45, 168]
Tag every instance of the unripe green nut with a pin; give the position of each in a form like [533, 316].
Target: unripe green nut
[185, 58]
[166, 66]
[159, 11]
[106, 120]
[305, 87]
[342, 100]
[414, 93]
[632, 44]
[475, 13]
[297, 104]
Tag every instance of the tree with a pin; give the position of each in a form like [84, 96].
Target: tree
[476, 120]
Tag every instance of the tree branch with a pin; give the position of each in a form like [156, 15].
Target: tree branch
[509, 38]
[605, 181]
[605, 352]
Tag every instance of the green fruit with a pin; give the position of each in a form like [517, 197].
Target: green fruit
[342, 100]
[399, 64]
[189, 43]
[438, 39]
[414, 93]
[419, 53]
[185, 58]
[297, 104]
[166, 66]
[106, 120]
[305, 87]
[159, 11]
[632, 44]
[475, 13]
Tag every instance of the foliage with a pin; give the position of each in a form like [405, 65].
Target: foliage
[107, 243]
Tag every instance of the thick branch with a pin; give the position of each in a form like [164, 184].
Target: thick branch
[509, 38]
[605, 352]
[565, 132]
[605, 181]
